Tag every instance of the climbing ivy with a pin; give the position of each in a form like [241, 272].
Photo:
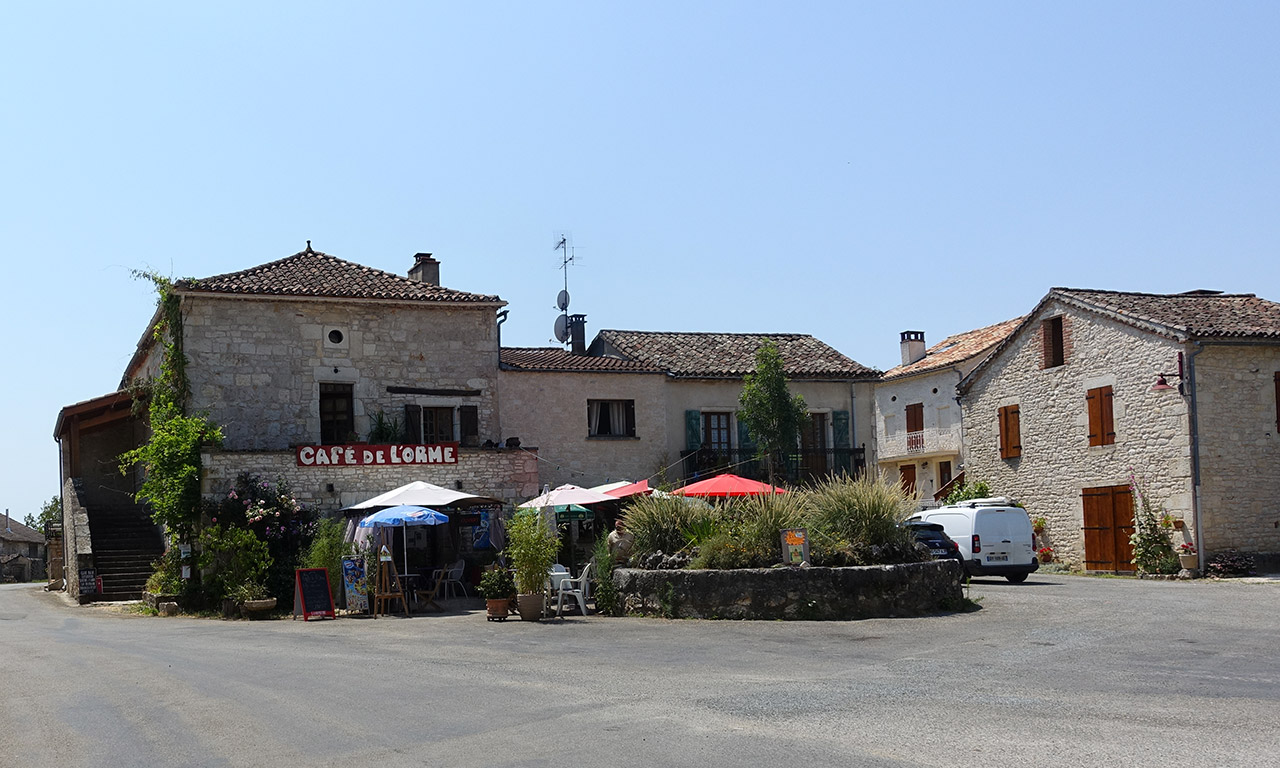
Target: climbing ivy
[170, 458]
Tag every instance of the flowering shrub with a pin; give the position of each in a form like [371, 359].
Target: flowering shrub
[1152, 550]
[1045, 553]
[1230, 563]
[273, 514]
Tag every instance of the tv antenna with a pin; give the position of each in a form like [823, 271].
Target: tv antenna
[562, 299]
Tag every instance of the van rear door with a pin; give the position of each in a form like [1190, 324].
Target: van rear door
[1005, 535]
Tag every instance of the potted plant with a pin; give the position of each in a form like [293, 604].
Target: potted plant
[1039, 525]
[1046, 554]
[252, 597]
[1187, 557]
[498, 589]
[531, 549]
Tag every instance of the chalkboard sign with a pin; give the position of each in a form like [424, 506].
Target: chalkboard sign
[311, 594]
[88, 581]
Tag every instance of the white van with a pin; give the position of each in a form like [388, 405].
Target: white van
[995, 537]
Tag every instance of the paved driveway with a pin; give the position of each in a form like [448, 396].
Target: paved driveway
[1058, 671]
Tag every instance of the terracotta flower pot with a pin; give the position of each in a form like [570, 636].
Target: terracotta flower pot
[498, 610]
[1189, 562]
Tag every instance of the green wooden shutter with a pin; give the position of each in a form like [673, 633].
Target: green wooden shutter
[746, 443]
[693, 430]
[841, 439]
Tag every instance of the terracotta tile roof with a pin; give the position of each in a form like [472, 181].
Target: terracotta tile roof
[730, 355]
[1196, 314]
[20, 532]
[557, 359]
[315, 274]
[956, 349]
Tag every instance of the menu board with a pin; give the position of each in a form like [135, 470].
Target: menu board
[88, 581]
[311, 594]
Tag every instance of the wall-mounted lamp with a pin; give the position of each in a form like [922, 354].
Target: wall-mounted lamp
[1162, 379]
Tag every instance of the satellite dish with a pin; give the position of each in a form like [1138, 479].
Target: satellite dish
[562, 301]
[562, 329]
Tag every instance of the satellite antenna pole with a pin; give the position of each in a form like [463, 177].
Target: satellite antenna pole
[562, 301]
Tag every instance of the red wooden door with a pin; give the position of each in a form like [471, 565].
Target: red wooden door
[908, 472]
[1108, 523]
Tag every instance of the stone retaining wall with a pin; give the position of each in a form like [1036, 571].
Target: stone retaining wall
[830, 594]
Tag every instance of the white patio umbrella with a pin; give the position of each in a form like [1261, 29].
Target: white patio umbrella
[566, 495]
[404, 516]
[422, 494]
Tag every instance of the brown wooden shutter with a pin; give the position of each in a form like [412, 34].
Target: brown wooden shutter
[469, 418]
[1004, 432]
[1108, 417]
[413, 423]
[1015, 431]
[915, 417]
[1278, 402]
[1094, 403]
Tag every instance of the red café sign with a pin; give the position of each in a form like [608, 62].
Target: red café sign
[376, 455]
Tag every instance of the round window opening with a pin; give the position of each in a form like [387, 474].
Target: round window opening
[935, 390]
[893, 399]
[335, 337]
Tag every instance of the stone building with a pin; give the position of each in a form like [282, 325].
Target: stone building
[917, 419]
[1094, 388]
[22, 551]
[640, 404]
[318, 371]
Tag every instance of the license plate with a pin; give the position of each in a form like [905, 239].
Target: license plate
[939, 552]
[997, 558]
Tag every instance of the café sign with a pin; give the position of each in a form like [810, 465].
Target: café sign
[376, 455]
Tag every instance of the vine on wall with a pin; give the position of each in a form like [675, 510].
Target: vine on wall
[170, 458]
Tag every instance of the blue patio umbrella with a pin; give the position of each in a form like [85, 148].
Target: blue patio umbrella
[404, 516]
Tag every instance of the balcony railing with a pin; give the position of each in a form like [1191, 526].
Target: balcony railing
[915, 442]
[792, 468]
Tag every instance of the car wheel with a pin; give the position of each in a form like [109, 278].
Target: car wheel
[1016, 578]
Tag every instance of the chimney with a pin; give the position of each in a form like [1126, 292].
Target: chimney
[577, 334]
[912, 343]
[425, 269]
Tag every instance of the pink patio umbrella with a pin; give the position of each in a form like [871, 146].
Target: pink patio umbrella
[631, 489]
[727, 485]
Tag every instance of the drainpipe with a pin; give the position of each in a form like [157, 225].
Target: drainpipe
[1194, 426]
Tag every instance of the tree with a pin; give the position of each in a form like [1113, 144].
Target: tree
[50, 512]
[772, 414]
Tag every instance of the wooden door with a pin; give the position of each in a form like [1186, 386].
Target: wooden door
[813, 445]
[1108, 523]
[908, 472]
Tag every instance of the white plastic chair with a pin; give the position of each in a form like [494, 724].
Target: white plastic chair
[577, 589]
[453, 580]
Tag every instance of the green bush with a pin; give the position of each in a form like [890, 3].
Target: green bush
[167, 579]
[496, 584]
[659, 522]
[1152, 549]
[236, 562]
[978, 489]
[858, 522]
[327, 550]
[608, 601]
[724, 552]
[531, 548]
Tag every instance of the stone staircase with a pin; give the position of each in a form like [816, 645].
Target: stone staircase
[125, 544]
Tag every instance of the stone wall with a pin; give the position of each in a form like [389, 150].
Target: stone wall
[1239, 449]
[1057, 462]
[549, 410]
[77, 544]
[510, 475]
[256, 365]
[831, 594]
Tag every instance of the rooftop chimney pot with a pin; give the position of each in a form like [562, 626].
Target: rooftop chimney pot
[912, 345]
[425, 269]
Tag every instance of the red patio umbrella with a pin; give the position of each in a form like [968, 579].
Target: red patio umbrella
[727, 485]
[630, 490]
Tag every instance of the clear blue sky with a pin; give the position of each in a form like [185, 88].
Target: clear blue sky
[849, 170]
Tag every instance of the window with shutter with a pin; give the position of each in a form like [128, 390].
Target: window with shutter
[715, 428]
[437, 425]
[1010, 432]
[611, 418]
[1102, 430]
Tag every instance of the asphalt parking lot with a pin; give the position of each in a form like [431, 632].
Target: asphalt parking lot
[1059, 670]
